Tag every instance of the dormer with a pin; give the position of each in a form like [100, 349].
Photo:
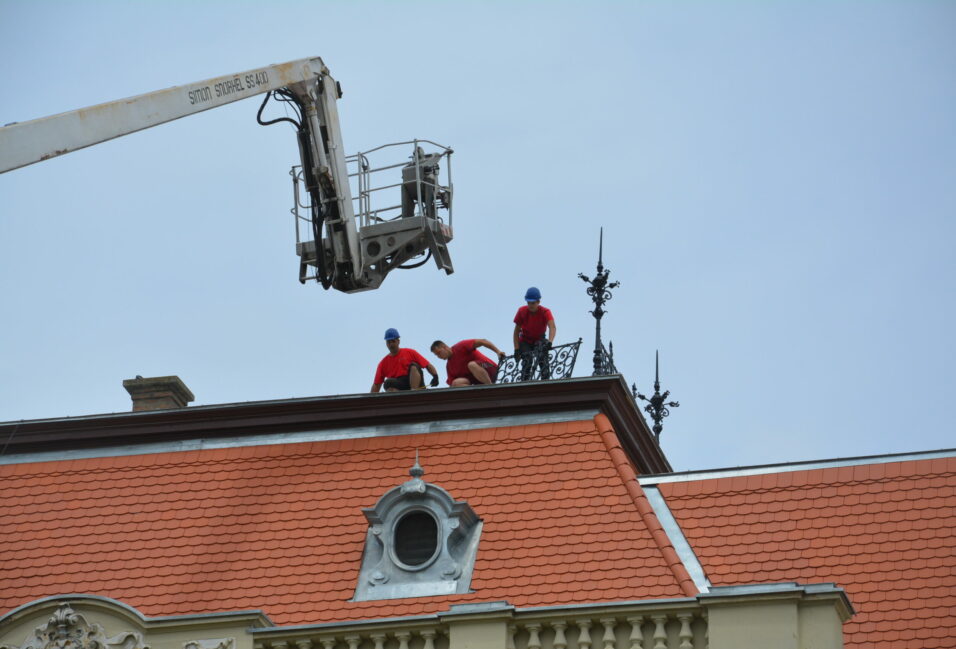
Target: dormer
[420, 542]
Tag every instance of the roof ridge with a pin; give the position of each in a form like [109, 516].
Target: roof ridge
[629, 478]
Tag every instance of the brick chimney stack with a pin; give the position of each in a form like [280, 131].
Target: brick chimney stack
[158, 393]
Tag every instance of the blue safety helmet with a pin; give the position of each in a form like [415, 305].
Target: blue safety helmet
[391, 334]
[532, 295]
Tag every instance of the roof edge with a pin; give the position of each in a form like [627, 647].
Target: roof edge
[761, 469]
[660, 537]
[606, 394]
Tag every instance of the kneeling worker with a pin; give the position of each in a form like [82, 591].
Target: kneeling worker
[401, 369]
[465, 364]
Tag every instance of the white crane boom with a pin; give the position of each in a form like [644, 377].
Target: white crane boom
[350, 252]
[25, 143]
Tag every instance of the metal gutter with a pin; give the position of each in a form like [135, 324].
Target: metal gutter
[497, 607]
[762, 469]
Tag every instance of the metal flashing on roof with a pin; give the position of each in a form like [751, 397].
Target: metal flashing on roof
[762, 469]
[478, 607]
[671, 527]
[470, 423]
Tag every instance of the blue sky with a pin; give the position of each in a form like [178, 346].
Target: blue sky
[775, 181]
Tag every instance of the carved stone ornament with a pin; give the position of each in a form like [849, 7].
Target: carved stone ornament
[67, 629]
[212, 643]
[446, 567]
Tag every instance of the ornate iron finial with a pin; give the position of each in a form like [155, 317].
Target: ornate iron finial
[600, 292]
[416, 471]
[657, 406]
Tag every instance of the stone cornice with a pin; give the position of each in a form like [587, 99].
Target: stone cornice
[46, 605]
[606, 394]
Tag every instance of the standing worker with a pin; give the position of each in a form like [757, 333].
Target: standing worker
[534, 330]
[466, 365]
[401, 369]
[420, 183]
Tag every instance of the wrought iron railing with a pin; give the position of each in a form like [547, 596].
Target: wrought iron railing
[540, 364]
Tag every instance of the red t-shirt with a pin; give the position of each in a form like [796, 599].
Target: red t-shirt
[463, 353]
[533, 325]
[393, 367]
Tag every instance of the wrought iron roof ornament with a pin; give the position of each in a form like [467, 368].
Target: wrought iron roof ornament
[600, 293]
[657, 405]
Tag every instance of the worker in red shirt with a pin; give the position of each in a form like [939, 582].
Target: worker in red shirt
[531, 323]
[465, 364]
[534, 332]
[401, 369]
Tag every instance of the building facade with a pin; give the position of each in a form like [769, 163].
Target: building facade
[526, 516]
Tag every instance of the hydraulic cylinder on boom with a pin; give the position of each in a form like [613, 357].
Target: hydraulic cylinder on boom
[345, 240]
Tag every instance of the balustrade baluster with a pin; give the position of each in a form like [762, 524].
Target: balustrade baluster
[378, 639]
[637, 635]
[660, 634]
[584, 638]
[534, 640]
[429, 636]
[403, 638]
[686, 636]
[328, 643]
[608, 637]
[510, 636]
[560, 641]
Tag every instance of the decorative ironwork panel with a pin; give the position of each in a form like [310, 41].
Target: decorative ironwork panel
[541, 364]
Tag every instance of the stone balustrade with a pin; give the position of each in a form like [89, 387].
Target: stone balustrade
[684, 628]
[619, 626]
[433, 636]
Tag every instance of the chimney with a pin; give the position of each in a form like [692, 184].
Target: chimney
[158, 393]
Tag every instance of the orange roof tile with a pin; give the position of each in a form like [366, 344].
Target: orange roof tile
[884, 532]
[280, 528]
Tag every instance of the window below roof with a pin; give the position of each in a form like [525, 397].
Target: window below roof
[420, 542]
[415, 539]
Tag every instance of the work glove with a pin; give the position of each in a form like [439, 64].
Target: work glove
[434, 381]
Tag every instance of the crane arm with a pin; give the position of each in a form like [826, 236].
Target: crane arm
[25, 143]
[350, 251]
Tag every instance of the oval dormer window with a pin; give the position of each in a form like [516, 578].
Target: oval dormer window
[416, 538]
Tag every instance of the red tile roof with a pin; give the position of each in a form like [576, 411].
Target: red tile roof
[280, 527]
[884, 532]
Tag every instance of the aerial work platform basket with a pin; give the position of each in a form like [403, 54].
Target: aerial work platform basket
[402, 206]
